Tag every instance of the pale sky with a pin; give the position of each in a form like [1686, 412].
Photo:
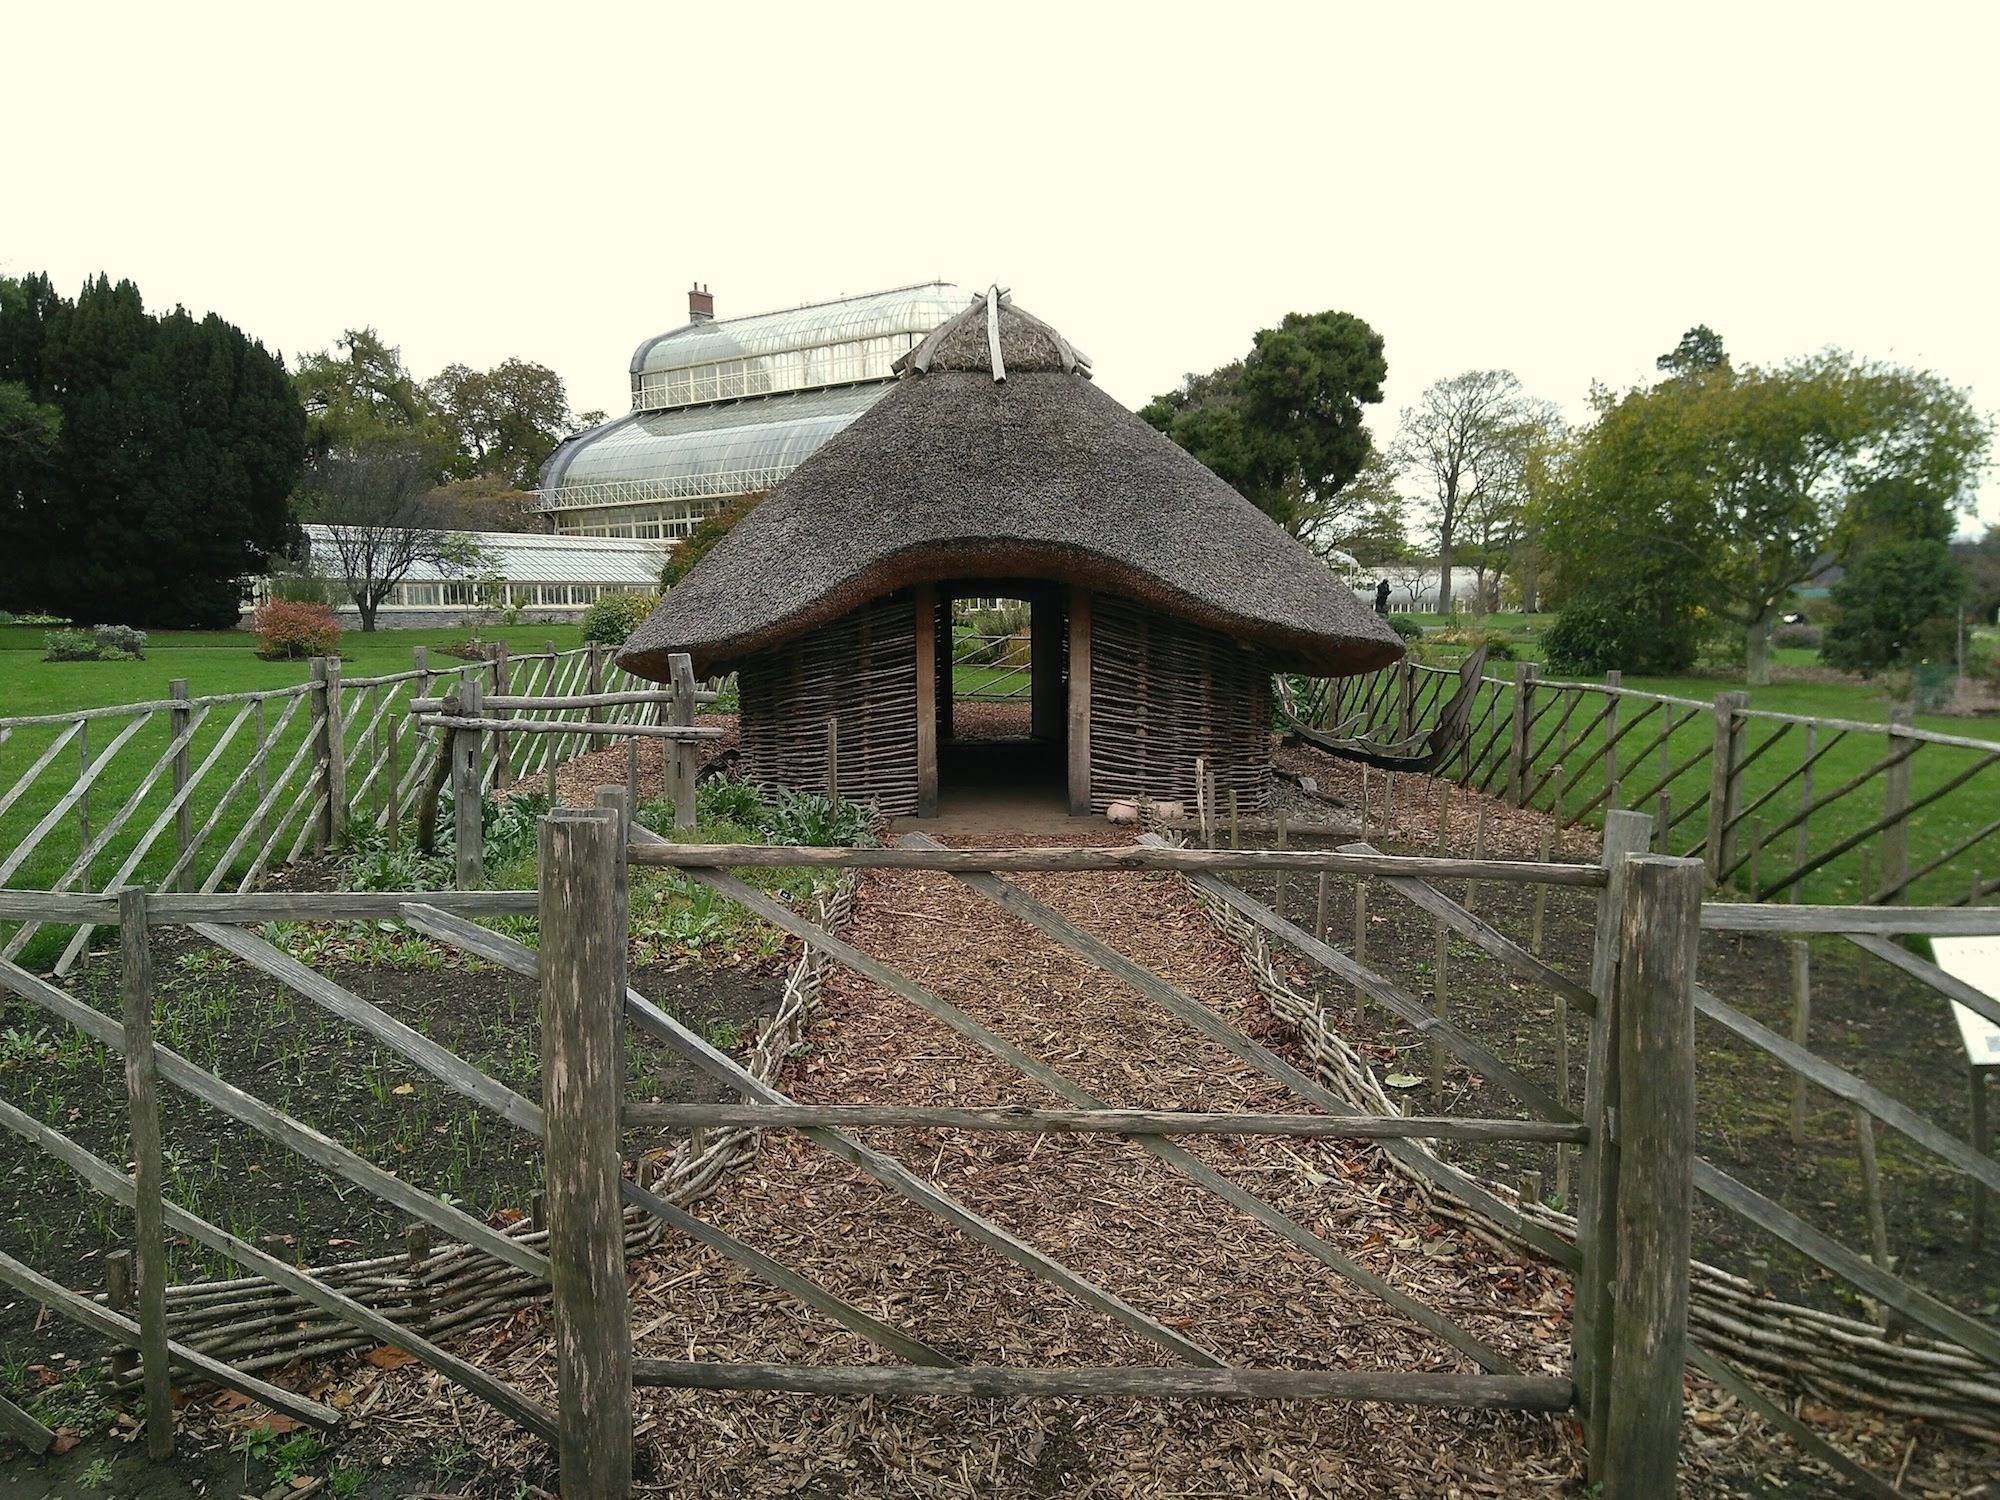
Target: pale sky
[1560, 190]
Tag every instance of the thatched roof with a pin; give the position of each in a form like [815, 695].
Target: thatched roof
[1024, 469]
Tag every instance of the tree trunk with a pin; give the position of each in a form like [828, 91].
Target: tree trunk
[1757, 652]
[1444, 575]
[367, 607]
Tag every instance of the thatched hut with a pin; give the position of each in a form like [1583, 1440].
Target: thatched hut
[1162, 601]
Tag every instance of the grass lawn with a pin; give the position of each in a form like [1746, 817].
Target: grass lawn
[212, 662]
[1936, 828]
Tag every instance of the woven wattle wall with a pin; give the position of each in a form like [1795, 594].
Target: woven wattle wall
[861, 668]
[1164, 692]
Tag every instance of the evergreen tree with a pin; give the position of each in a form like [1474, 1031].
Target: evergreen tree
[164, 490]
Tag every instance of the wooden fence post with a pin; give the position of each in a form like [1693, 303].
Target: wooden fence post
[1614, 680]
[503, 758]
[583, 931]
[184, 817]
[1525, 673]
[142, 1088]
[467, 829]
[1647, 1349]
[1405, 685]
[1895, 842]
[1724, 789]
[682, 754]
[593, 668]
[1625, 834]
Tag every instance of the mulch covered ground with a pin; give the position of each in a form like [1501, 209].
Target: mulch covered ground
[1104, 1208]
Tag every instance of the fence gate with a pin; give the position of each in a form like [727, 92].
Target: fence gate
[1632, 1250]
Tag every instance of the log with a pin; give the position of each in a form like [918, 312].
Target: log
[1091, 1122]
[1515, 1392]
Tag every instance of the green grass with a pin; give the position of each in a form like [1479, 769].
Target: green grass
[1934, 829]
[212, 662]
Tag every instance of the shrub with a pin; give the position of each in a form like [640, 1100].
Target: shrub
[1406, 626]
[69, 645]
[1897, 606]
[814, 818]
[613, 617]
[1498, 647]
[120, 640]
[287, 631]
[723, 799]
[1802, 635]
[1600, 632]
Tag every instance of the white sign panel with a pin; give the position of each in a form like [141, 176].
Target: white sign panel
[1976, 960]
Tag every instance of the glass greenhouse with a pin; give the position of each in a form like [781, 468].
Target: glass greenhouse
[727, 408]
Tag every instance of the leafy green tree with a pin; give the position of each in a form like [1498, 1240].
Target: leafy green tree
[1375, 530]
[711, 529]
[1284, 425]
[505, 421]
[1980, 562]
[1752, 480]
[159, 486]
[1699, 351]
[1898, 605]
[358, 392]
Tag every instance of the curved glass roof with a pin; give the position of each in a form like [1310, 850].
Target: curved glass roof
[703, 450]
[906, 309]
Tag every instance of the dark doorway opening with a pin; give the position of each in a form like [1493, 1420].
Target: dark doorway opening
[1002, 701]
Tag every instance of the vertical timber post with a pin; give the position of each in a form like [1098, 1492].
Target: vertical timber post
[142, 1088]
[1079, 701]
[1724, 789]
[927, 699]
[467, 831]
[1647, 1349]
[1524, 712]
[334, 740]
[1896, 809]
[681, 754]
[1614, 680]
[503, 753]
[184, 815]
[582, 913]
[1625, 834]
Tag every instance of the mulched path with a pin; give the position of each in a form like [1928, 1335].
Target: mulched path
[1108, 1211]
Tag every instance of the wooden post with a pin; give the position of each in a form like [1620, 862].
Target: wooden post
[391, 829]
[1982, 1142]
[184, 817]
[1802, 846]
[1724, 792]
[832, 756]
[1278, 903]
[1235, 822]
[1478, 852]
[1360, 938]
[1319, 908]
[1388, 804]
[1647, 1349]
[1442, 1007]
[467, 829]
[1895, 840]
[583, 931]
[1364, 799]
[1525, 673]
[1801, 1026]
[927, 702]
[1614, 680]
[1079, 701]
[1404, 695]
[142, 1088]
[329, 750]
[684, 757]
[1625, 834]
[1444, 814]
[593, 669]
[1871, 1188]
[503, 755]
[118, 1296]
[552, 752]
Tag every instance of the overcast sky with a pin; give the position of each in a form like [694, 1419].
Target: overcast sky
[1557, 190]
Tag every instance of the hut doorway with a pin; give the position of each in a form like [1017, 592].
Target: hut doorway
[1001, 706]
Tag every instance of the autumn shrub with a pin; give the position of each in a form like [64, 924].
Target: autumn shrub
[287, 630]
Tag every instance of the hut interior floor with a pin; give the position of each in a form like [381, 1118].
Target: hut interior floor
[999, 786]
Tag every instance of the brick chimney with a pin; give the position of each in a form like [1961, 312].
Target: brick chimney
[701, 305]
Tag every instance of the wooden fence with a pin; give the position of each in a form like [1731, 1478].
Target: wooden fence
[1781, 806]
[211, 792]
[1921, 1357]
[1632, 1288]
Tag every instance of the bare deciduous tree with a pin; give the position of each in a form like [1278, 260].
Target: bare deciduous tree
[1459, 437]
[374, 501]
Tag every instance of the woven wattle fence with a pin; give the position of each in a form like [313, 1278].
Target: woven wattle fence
[253, 1325]
[1819, 1354]
[1164, 693]
[860, 671]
